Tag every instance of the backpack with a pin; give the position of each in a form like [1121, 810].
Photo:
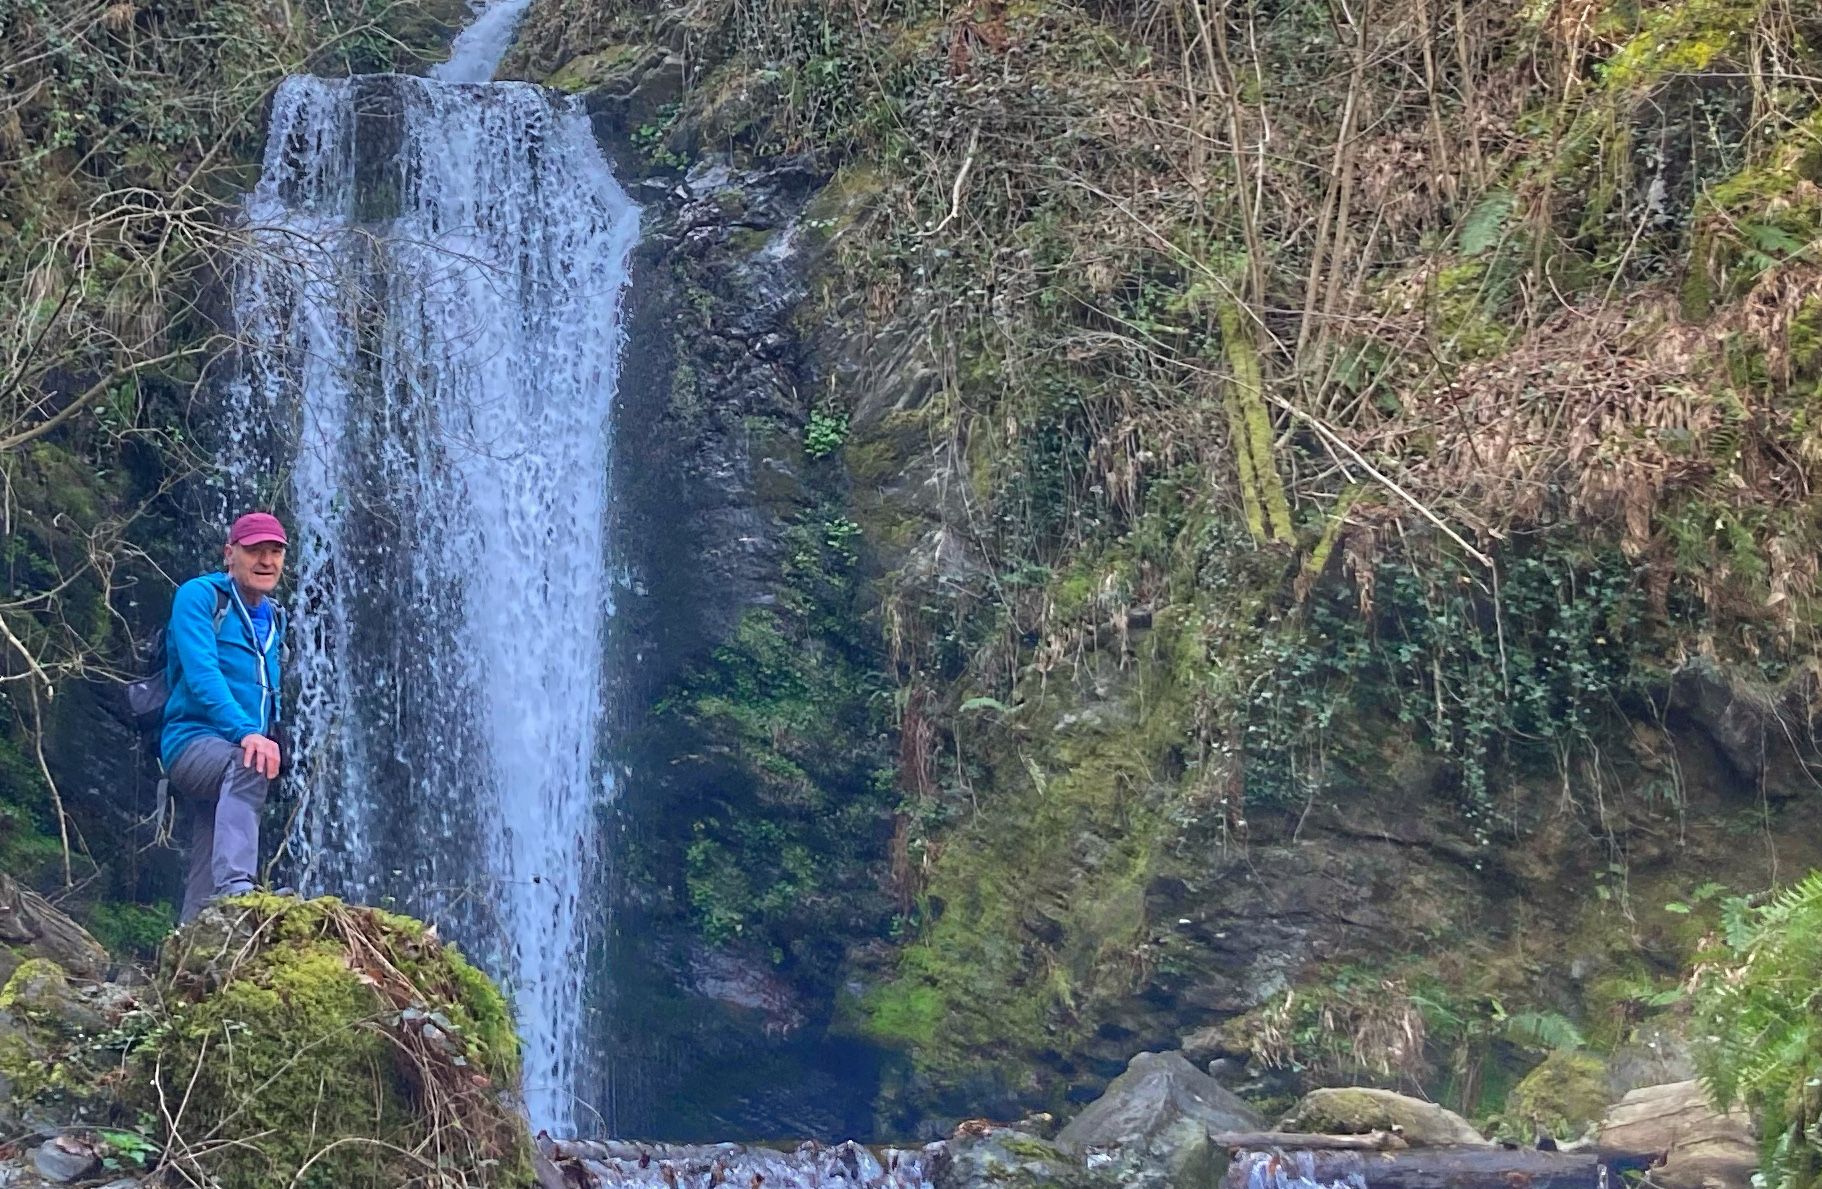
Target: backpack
[146, 697]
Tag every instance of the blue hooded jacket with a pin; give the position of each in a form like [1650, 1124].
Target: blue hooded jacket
[219, 686]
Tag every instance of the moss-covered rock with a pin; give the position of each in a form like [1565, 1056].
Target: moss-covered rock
[1357, 1110]
[59, 1050]
[1562, 1096]
[314, 1043]
[39, 990]
[1006, 1158]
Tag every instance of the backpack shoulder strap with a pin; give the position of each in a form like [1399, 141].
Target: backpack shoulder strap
[221, 608]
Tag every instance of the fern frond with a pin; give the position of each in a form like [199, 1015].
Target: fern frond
[1543, 1029]
[1758, 1025]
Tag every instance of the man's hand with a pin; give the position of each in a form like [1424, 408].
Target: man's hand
[260, 753]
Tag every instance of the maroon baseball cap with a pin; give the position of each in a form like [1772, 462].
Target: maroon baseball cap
[256, 528]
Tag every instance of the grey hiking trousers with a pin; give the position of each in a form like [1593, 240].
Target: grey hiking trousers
[221, 799]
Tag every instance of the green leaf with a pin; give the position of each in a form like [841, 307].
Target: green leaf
[1543, 1029]
[1481, 230]
[1769, 237]
[984, 703]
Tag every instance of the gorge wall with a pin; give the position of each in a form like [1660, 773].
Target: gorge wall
[1272, 528]
[1130, 564]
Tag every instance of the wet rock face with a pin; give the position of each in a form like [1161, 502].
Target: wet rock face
[709, 412]
[742, 983]
[718, 1035]
[718, 279]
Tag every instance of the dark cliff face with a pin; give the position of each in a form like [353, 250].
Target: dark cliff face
[752, 762]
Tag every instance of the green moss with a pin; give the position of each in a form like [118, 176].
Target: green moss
[1681, 38]
[30, 982]
[29, 846]
[1034, 906]
[1357, 1111]
[1805, 342]
[1028, 1148]
[840, 203]
[592, 69]
[1761, 216]
[1563, 1096]
[293, 1035]
[1250, 431]
[1347, 1111]
[872, 462]
[1465, 302]
[749, 240]
[23, 1066]
[904, 1015]
[790, 766]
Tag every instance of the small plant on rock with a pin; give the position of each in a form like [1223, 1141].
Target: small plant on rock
[825, 433]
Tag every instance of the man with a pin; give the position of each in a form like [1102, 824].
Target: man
[223, 669]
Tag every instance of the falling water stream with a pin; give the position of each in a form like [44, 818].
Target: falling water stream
[430, 318]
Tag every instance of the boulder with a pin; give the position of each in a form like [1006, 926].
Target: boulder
[65, 1158]
[1563, 1096]
[1356, 1110]
[55, 1061]
[39, 991]
[1206, 1044]
[356, 1038]
[18, 1173]
[32, 927]
[1702, 1148]
[987, 1157]
[1656, 1055]
[1155, 1119]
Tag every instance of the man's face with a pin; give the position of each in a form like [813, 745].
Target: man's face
[256, 568]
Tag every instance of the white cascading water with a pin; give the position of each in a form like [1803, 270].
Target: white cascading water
[429, 318]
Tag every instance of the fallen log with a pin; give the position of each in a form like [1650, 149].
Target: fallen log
[1372, 1141]
[1415, 1168]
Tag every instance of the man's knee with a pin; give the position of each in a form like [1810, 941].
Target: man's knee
[245, 784]
[209, 768]
[200, 768]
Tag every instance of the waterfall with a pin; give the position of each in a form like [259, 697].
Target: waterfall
[428, 313]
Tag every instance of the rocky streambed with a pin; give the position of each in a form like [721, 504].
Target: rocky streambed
[312, 1043]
